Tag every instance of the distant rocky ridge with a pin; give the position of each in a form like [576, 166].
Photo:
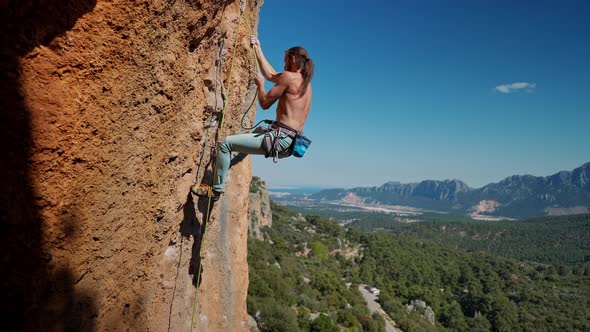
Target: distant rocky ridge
[518, 196]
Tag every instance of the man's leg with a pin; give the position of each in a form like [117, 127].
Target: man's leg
[245, 143]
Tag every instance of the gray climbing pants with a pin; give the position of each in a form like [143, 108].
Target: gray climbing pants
[244, 143]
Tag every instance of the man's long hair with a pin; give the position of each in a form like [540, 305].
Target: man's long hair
[303, 62]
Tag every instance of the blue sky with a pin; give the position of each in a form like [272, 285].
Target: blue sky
[414, 90]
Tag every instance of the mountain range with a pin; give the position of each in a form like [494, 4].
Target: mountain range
[517, 196]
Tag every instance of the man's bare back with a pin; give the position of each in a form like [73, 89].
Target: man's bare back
[293, 108]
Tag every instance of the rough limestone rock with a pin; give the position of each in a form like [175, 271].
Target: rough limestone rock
[421, 307]
[253, 324]
[108, 113]
[259, 212]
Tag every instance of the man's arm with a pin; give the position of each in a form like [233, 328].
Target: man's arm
[267, 70]
[266, 99]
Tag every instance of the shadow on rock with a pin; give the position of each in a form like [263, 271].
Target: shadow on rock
[28, 284]
[191, 227]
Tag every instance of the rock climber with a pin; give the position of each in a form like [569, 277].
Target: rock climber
[293, 91]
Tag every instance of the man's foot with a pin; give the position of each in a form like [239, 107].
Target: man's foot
[205, 190]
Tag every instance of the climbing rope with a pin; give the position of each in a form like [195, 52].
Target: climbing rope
[256, 93]
[219, 132]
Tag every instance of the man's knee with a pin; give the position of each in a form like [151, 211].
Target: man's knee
[224, 146]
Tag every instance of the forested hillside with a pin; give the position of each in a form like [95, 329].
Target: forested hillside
[302, 267]
[473, 291]
[554, 240]
[297, 285]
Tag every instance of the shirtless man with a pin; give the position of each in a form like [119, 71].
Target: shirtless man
[293, 91]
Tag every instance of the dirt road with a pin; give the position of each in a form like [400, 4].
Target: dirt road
[374, 306]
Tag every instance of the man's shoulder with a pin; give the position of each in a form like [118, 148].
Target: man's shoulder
[288, 75]
[290, 80]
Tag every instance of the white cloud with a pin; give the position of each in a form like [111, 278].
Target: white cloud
[517, 86]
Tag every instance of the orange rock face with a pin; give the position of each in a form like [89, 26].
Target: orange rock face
[109, 112]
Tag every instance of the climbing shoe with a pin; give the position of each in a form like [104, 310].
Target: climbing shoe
[205, 190]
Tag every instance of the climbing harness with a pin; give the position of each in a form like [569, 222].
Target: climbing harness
[277, 131]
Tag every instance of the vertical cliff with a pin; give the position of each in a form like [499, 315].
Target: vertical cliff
[109, 111]
[259, 213]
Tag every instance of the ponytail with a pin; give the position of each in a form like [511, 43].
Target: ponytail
[303, 62]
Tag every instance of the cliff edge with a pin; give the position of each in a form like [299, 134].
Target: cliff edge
[109, 113]
[259, 212]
